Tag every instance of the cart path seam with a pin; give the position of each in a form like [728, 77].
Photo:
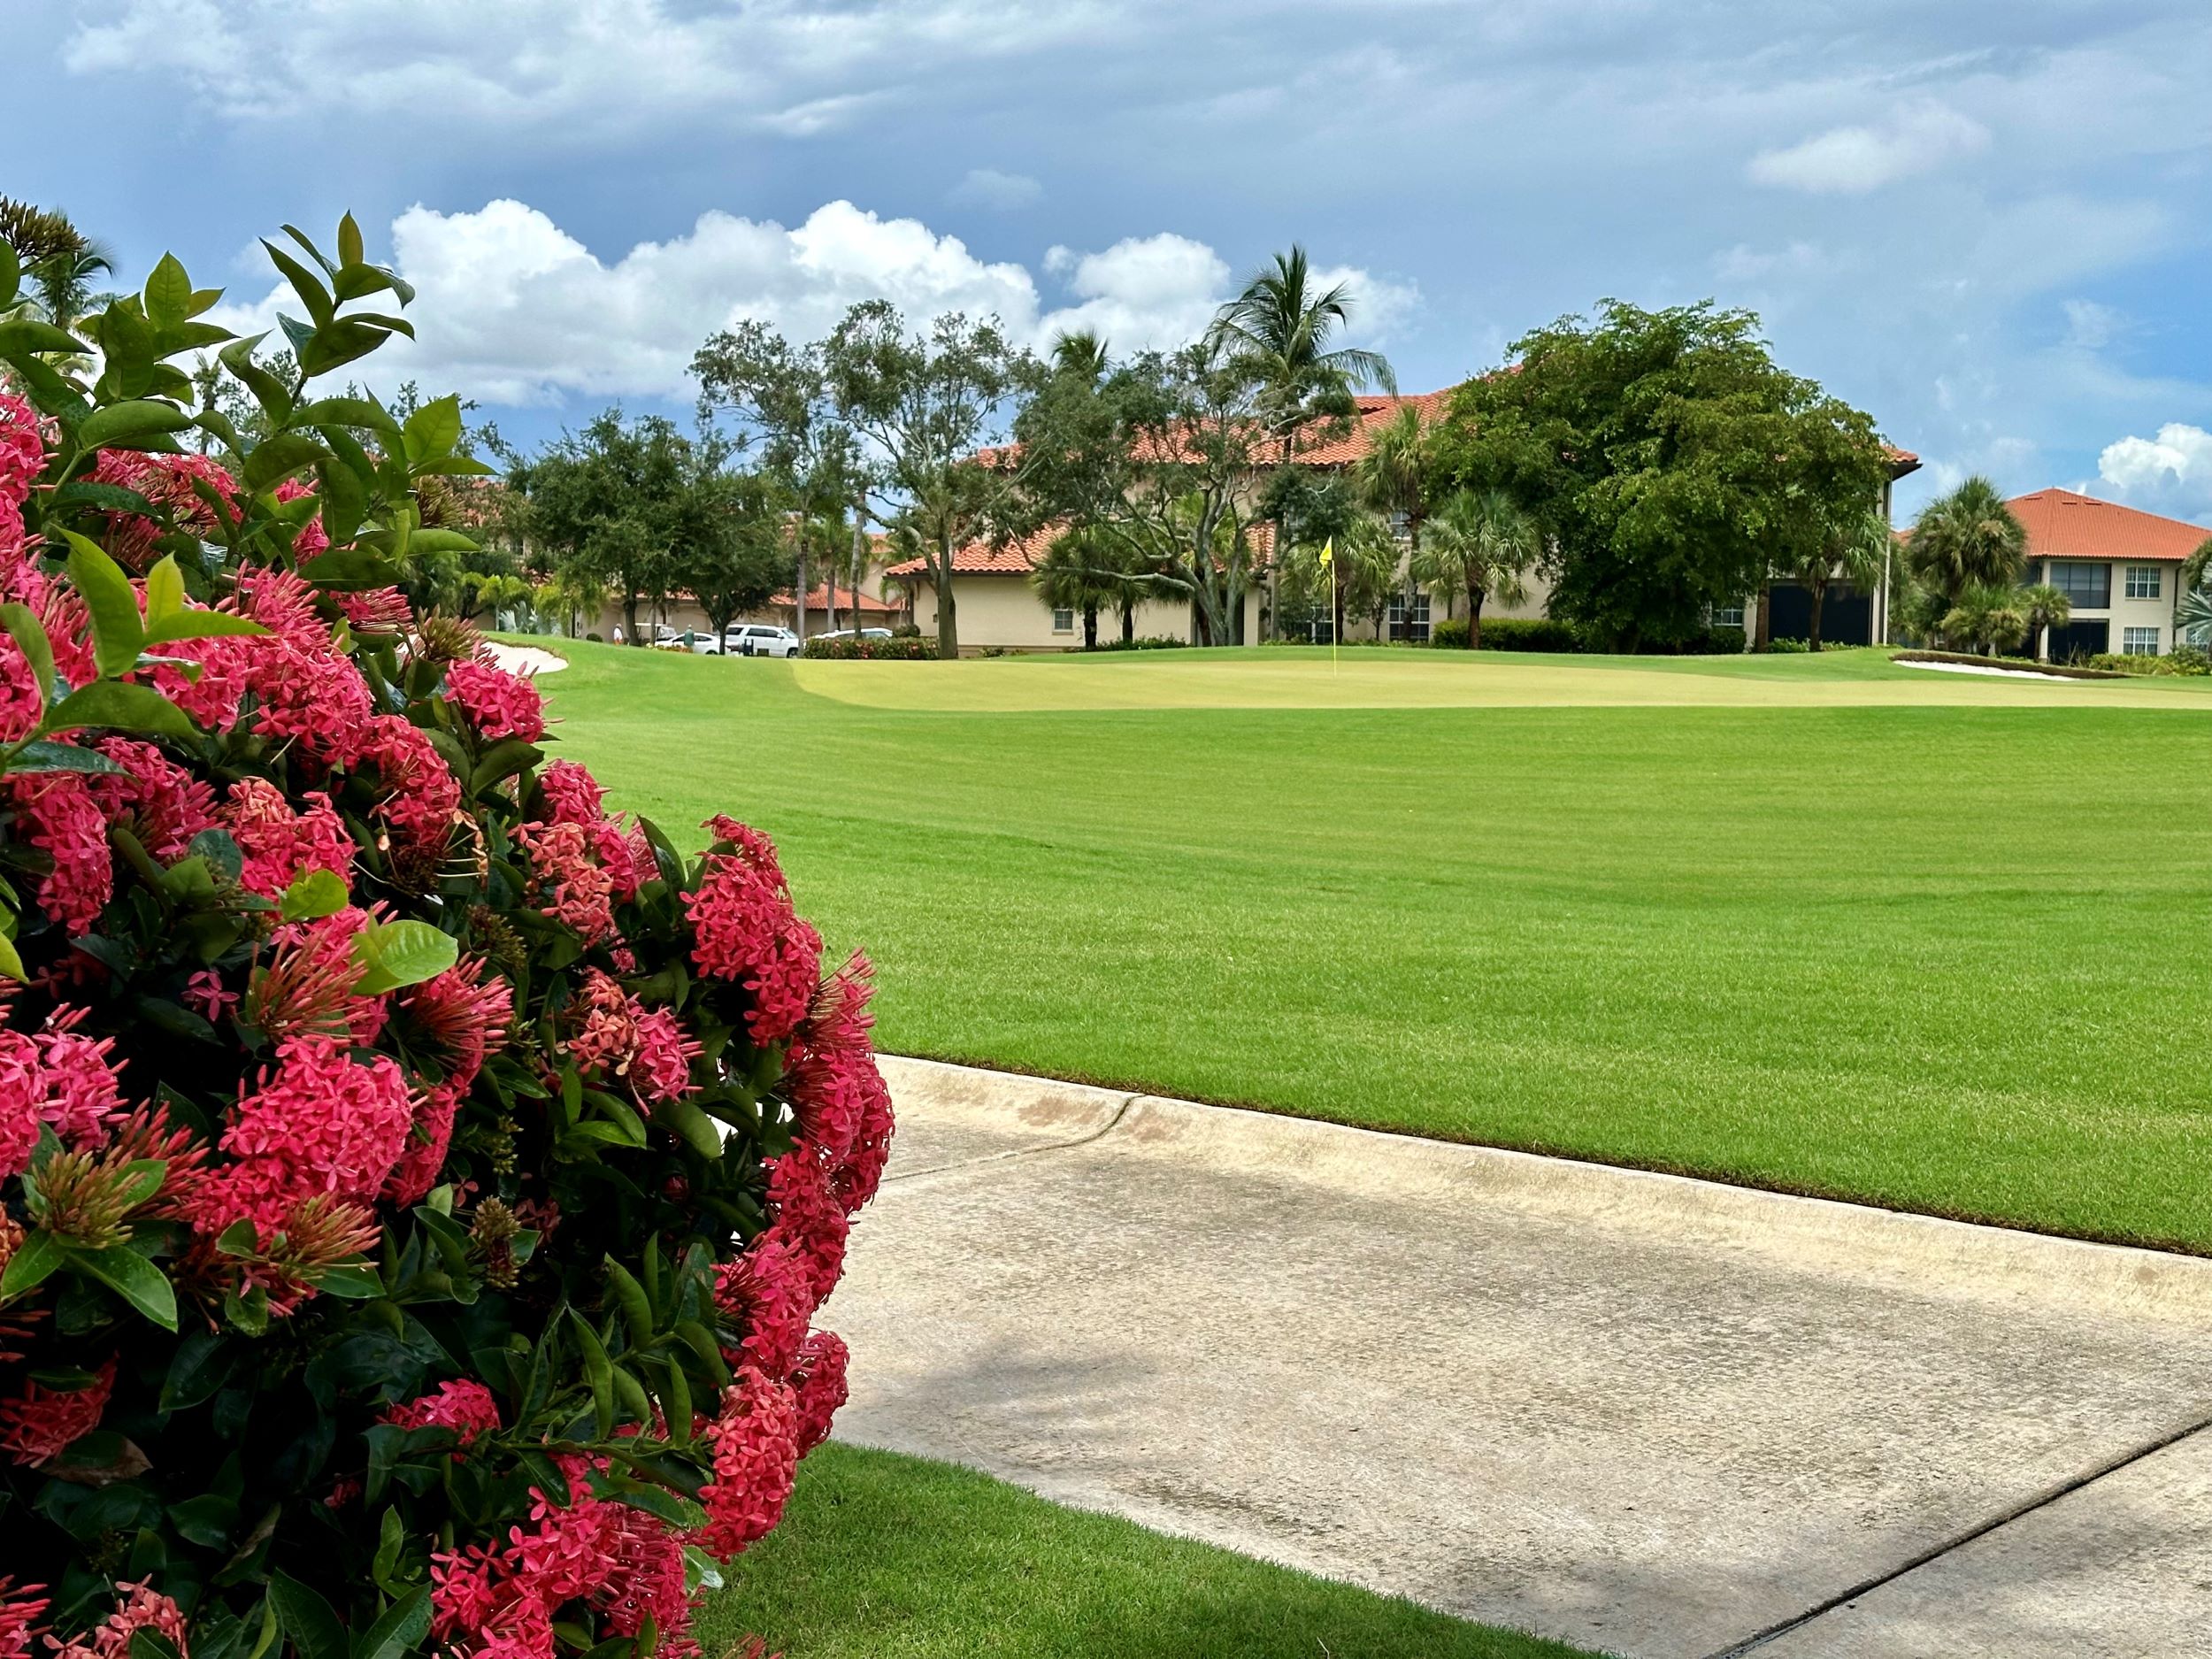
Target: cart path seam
[2040, 1501]
[1105, 1129]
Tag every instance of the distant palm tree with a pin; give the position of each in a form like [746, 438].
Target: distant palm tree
[1279, 329]
[2044, 607]
[1482, 544]
[1079, 573]
[1393, 477]
[1081, 352]
[1966, 539]
[1852, 549]
[63, 281]
[1988, 616]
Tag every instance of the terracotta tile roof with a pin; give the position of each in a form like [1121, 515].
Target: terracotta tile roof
[1018, 558]
[1329, 447]
[1900, 461]
[2062, 525]
[818, 599]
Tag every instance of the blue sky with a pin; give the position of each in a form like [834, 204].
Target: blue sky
[1986, 221]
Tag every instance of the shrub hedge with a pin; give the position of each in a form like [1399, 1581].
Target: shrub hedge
[909, 648]
[417, 1184]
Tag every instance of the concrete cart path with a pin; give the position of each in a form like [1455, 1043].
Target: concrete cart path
[1656, 1417]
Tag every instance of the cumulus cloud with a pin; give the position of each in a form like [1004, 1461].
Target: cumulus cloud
[2176, 464]
[513, 310]
[1001, 192]
[1854, 160]
[2091, 326]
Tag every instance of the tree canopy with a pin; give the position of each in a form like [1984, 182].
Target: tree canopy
[1668, 462]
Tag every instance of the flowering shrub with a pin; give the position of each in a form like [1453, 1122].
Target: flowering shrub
[417, 1184]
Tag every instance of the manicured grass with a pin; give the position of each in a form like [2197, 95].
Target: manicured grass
[887, 1557]
[1824, 923]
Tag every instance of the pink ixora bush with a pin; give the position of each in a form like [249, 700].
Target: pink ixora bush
[418, 1186]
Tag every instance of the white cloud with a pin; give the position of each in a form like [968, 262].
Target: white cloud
[1743, 263]
[2176, 463]
[1853, 160]
[582, 69]
[2091, 326]
[1001, 192]
[511, 309]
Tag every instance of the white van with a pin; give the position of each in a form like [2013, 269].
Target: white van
[755, 639]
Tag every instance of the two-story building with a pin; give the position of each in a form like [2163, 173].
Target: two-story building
[2119, 566]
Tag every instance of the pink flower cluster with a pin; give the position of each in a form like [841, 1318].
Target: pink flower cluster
[321, 1123]
[166, 482]
[40, 1424]
[495, 702]
[141, 1607]
[756, 1443]
[615, 1035]
[57, 1078]
[161, 803]
[746, 930]
[465, 1407]
[500, 1602]
[281, 845]
[461, 1015]
[57, 814]
[21, 1607]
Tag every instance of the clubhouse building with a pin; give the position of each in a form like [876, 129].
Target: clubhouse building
[2121, 567]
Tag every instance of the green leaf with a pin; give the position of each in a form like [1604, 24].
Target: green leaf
[306, 1618]
[41, 755]
[271, 393]
[10, 274]
[398, 1630]
[304, 283]
[349, 567]
[29, 635]
[200, 625]
[124, 708]
[151, 1644]
[277, 458]
[142, 1179]
[434, 429]
[121, 425]
[11, 962]
[443, 541]
[395, 954]
[26, 335]
[317, 894]
[683, 1118]
[364, 412]
[221, 851]
[348, 241]
[135, 1278]
[35, 1260]
[598, 1371]
[164, 589]
[352, 1284]
[116, 631]
[168, 292]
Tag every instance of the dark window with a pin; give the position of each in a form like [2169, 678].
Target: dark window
[2088, 585]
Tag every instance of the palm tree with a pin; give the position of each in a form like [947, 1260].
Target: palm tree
[1393, 477]
[1081, 352]
[63, 281]
[1278, 330]
[1851, 548]
[2044, 608]
[1076, 573]
[1989, 616]
[1966, 539]
[1366, 569]
[1481, 544]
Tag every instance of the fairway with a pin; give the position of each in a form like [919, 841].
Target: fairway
[1823, 924]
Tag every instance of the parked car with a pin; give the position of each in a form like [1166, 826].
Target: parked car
[848, 633]
[756, 639]
[697, 640]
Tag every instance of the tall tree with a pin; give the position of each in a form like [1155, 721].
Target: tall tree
[1395, 476]
[1664, 455]
[1278, 330]
[1482, 545]
[2043, 608]
[933, 408]
[1849, 546]
[1990, 617]
[1969, 537]
[608, 504]
[1153, 464]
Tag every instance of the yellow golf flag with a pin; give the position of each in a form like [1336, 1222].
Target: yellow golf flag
[1328, 553]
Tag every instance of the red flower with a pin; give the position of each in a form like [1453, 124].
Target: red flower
[808, 1217]
[660, 1065]
[755, 1458]
[40, 1424]
[495, 702]
[281, 845]
[465, 1407]
[60, 817]
[20, 1608]
[746, 930]
[153, 797]
[142, 1608]
[768, 1295]
[821, 1385]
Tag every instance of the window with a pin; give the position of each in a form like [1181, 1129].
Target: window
[2138, 642]
[1728, 616]
[1409, 623]
[1062, 620]
[2088, 585]
[2143, 581]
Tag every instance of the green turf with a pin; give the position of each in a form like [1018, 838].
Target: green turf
[1826, 923]
[888, 1558]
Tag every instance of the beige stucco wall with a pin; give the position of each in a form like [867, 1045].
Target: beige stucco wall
[2125, 613]
[1004, 613]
